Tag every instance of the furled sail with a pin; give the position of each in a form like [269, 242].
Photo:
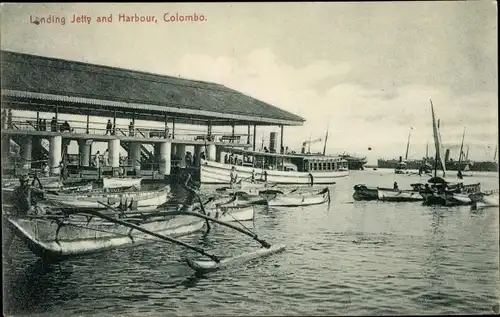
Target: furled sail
[437, 141]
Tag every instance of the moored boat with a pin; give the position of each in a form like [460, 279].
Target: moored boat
[363, 192]
[116, 182]
[56, 238]
[297, 199]
[398, 195]
[485, 199]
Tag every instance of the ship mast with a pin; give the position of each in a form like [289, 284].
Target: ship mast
[326, 138]
[495, 155]
[461, 150]
[408, 144]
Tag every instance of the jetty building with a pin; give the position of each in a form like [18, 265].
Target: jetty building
[48, 85]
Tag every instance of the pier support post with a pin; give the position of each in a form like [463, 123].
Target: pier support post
[135, 155]
[5, 150]
[197, 154]
[212, 152]
[254, 135]
[26, 150]
[165, 162]
[181, 154]
[55, 154]
[84, 152]
[114, 153]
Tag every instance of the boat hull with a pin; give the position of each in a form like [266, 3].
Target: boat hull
[229, 214]
[297, 199]
[362, 192]
[219, 173]
[398, 195]
[49, 240]
[121, 182]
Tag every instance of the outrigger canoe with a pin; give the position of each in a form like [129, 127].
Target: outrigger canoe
[60, 236]
[56, 237]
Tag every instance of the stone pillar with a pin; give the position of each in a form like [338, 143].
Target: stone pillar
[135, 155]
[55, 154]
[165, 162]
[157, 150]
[197, 153]
[114, 153]
[84, 152]
[211, 152]
[26, 150]
[181, 154]
[221, 156]
[5, 150]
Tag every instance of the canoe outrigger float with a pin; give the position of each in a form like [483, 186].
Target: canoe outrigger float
[54, 238]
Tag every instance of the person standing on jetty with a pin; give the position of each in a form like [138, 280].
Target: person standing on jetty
[109, 127]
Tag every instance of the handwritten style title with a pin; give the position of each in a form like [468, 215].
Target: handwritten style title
[120, 18]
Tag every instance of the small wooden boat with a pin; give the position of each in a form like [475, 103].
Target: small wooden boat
[485, 199]
[446, 193]
[397, 195]
[116, 182]
[297, 199]
[363, 192]
[56, 237]
[232, 213]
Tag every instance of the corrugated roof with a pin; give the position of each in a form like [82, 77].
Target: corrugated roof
[51, 76]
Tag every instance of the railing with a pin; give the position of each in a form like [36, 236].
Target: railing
[29, 124]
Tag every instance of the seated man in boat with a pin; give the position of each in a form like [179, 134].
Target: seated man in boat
[46, 170]
[396, 187]
[23, 195]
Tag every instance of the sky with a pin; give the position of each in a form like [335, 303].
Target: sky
[365, 70]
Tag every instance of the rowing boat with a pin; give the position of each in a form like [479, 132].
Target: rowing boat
[397, 195]
[96, 199]
[363, 192]
[485, 199]
[115, 182]
[296, 199]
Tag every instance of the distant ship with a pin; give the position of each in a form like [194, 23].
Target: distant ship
[354, 162]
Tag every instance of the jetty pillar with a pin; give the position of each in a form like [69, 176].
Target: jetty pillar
[55, 157]
[84, 152]
[135, 155]
[197, 154]
[181, 154]
[114, 153]
[211, 152]
[5, 150]
[26, 150]
[165, 161]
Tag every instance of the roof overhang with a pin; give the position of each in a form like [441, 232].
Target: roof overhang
[35, 101]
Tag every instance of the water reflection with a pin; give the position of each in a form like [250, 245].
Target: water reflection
[38, 286]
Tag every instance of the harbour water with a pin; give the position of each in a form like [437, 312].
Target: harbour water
[349, 258]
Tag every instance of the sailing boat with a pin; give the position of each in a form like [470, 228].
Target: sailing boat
[441, 191]
[465, 172]
[401, 168]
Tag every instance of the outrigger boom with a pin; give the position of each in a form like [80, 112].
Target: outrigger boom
[198, 265]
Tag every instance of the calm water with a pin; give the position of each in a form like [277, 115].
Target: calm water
[353, 258]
